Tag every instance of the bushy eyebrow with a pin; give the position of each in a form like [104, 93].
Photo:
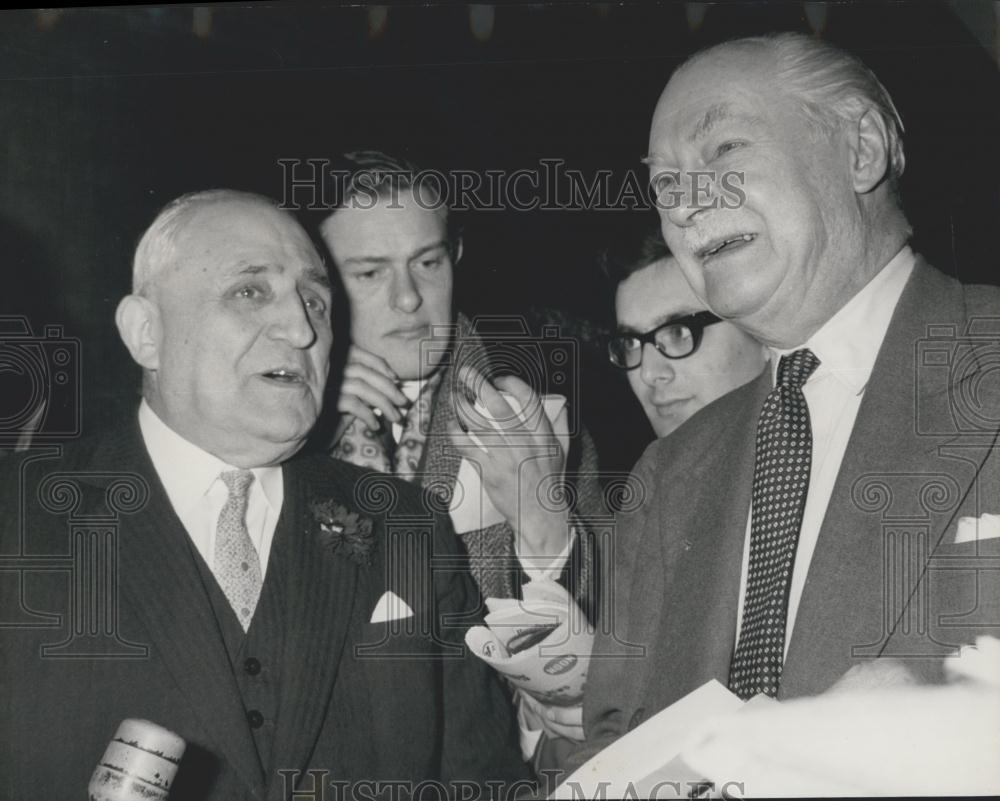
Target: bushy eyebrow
[350, 260]
[316, 275]
[711, 119]
[721, 112]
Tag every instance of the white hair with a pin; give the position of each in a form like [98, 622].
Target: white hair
[157, 249]
[833, 86]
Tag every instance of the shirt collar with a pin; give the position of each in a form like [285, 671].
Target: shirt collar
[187, 471]
[848, 343]
[412, 389]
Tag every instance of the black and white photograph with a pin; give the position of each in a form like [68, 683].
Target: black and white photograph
[500, 401]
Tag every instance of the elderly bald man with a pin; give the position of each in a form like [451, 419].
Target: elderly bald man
[263, 612]
[770, 555]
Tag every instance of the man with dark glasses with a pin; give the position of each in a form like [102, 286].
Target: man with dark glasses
[678, 357]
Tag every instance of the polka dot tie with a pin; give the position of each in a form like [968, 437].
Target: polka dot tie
[780, 483]
[236, 566]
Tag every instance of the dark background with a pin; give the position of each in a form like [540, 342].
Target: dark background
[106, 114]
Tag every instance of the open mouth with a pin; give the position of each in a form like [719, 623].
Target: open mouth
[284, 375]
[726, 245]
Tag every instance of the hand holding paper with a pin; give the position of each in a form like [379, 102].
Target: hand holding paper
[558, 721]
[552, 670]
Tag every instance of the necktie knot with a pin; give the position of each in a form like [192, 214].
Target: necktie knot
[237, 482]
[795, 368]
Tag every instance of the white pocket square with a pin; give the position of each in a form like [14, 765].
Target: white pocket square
[977, 529]
[390, 607]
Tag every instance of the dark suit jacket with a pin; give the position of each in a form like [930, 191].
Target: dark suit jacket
[886, 578]
[410, 706]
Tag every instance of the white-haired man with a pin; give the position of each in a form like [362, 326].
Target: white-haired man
[802, 524]
[258, 607]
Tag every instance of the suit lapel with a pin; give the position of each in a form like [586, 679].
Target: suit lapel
[844, 613]
[320, 592]
[160, 580]
[703, 555]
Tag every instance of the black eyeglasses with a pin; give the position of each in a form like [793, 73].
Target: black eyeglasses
[675, 339]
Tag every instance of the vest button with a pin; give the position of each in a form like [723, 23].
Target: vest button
[252, 666]
[255, 719]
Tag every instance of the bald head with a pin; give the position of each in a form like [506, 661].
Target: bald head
[157, 249]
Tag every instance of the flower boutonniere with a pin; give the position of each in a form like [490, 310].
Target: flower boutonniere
[344, 532]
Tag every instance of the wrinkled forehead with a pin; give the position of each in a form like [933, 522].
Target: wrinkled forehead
[228, 231]
[711, 88]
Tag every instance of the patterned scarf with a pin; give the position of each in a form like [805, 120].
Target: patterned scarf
[379, 451]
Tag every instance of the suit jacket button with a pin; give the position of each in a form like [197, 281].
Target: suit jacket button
[252, 666]
[255, 719]
[636, 718]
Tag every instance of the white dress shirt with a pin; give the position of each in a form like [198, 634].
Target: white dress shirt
[846, 347]
[190, 477]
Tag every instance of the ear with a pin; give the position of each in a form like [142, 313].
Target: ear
[138, 321]
[869, 150]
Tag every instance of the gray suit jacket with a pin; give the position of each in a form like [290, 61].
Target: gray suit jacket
[886, 578]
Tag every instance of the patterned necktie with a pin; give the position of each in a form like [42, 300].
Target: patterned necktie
[413, 437]
[780, 483]
[237, 566]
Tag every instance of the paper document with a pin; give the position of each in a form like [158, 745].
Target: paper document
[647, 760]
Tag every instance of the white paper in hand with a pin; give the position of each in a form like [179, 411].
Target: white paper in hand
[553, 669]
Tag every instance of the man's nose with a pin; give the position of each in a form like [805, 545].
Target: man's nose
[405, 294]
[655, 367]
[293, 323]
[683, 203]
